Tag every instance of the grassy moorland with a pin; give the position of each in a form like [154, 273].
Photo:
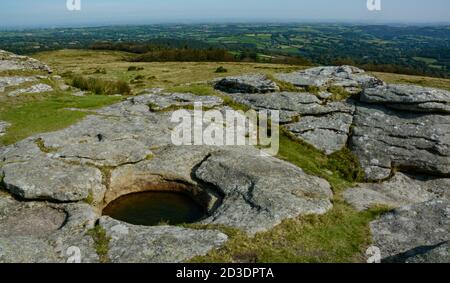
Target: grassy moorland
[341, 235]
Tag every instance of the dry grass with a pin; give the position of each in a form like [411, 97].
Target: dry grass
[417, 80]
[155, 74]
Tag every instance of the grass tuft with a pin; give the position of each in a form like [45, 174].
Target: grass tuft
[101, 242]
[40, 143]
[99, 86]
[338, 93]
[197, 89]
[284, 86]
[89, 199]
[221, 69]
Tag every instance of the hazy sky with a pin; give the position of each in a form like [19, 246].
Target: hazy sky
[54, 12]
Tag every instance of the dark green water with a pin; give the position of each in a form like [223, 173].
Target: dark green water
[153, 208]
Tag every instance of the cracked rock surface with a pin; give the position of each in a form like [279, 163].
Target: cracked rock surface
[10, 61]
[408, 97]
[384, 139]
[412, 232]
[126, 148]
[328, 133]
[161, 244]
[55, 185]
[352, 79]
[261, 192]
[399, 191]
[401, 136]
[40, 232]
[38, 88]
[255, 83]
[14, 81]
[326, 126]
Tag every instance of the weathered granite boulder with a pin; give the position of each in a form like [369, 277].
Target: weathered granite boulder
[38, 88]
[159, 244]
[328, 133]
[163, 101]
[384, 139]
[28, 219]
[325, 126]
[399, 191]
[14, 81]
[256, 83]
[350, 78]
[47, 178]
[409, 98]
[3, 127]
[10, 61]
[26, 250]
[413, 230]
[39, 232]
[301, 103]
[127, 148]
[258, 193]
[435, 254]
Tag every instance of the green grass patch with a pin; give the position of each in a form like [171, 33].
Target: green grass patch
[228, 101]
[341, 169]
[312, 89]
[284, 86]
[340, 236]
[90, 198]
[101, 240]
[99, 86]
[338, 93]
[48, 114]
[197, 89]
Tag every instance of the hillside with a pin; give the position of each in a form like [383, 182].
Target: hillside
[403, 49]
[359, 157]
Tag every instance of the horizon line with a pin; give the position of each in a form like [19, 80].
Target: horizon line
[229, 22]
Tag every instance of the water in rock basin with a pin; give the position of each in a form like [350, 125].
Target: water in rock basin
[155, 208]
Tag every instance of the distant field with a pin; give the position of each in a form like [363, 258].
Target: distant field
[166, 74]
[422, 50]
[173, 74]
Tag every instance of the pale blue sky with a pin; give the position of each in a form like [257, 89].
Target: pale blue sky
[94, 12]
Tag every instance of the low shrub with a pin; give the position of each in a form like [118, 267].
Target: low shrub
[99, 86]
[339, 93]
[221, 69]
[100, 71]
[312, 89]
[134, 68]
